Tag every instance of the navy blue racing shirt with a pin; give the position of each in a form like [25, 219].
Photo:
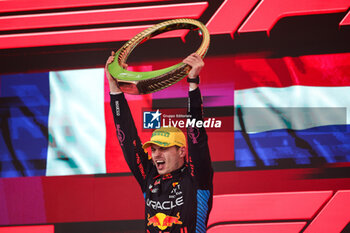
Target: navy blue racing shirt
[181, 200]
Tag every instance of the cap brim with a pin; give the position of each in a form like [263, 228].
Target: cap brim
[149, 143]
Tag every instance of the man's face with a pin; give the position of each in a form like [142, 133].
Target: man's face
[167, 159]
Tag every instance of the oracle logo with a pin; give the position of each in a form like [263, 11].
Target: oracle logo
[232, 16]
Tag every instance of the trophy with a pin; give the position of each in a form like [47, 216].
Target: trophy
[147, 82]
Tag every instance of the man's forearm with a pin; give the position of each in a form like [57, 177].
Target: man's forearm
[113, 85]
[193, 86]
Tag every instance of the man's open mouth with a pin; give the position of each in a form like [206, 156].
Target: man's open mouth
[160, 164]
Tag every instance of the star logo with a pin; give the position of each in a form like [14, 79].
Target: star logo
[156, 115]
[151, 120]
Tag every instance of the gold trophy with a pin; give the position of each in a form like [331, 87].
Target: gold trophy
[147, 82]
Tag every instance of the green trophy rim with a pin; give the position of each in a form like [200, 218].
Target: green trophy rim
[120, 73]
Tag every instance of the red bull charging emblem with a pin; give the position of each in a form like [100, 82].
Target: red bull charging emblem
[162, 221]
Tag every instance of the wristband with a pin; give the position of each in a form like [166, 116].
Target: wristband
[193, 80]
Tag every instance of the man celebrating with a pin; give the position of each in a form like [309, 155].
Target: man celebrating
[177, 190]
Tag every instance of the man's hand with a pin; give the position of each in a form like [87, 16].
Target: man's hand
[113, 84]
[196, 62]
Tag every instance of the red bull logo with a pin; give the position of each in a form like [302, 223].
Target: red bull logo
[163, 221]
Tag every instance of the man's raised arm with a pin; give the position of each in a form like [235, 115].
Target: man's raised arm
[135, 156]
[198, 148]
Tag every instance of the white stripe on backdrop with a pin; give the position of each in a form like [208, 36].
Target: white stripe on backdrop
[77, 132]
[295, 107]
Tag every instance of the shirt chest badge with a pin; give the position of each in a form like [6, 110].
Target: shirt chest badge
[154, 188]
[176, 190]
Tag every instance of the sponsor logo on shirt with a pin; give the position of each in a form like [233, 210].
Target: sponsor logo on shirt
[163, 221]
[165, 205]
